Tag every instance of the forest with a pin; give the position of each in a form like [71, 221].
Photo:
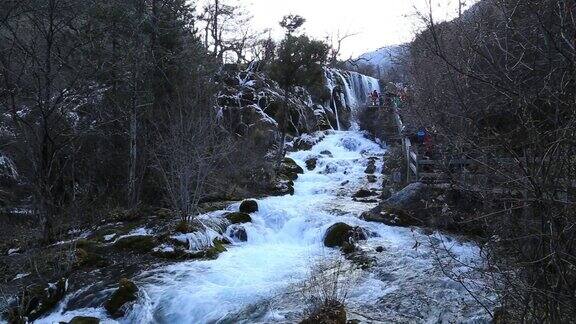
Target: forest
[165, 161]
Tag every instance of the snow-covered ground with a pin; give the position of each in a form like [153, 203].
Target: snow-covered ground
[253, 280]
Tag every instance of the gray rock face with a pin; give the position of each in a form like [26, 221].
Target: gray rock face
[432, 206]
[250, 100]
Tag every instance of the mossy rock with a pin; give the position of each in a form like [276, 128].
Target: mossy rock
[127, 292]
[84, 320]
[311, 163]
[238, 218]
[249, 206]
[139, 243]
[215, 250]
[341, 233]
[185, 226]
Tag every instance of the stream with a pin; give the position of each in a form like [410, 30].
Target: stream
[256, 281]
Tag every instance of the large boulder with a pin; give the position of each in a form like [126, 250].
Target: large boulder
[126, 293]
[249, 206]
[84, 320]
[435, 206]
[341, 233]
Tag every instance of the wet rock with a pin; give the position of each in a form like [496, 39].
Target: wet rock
[238, 218]
[138, 243]
[281, 188]
[170, 252]
[390, 216]
[311, 164]
[239, 233]
[84, 320]
[345, 183]
[215, 250]
[371, 168]
[348, 248]
[35, 301]
[306, 142]
[351, 144]
[327, 153]
[331, 312]
[341, 233]
[289, 169]
[361, 259]
[249, 206]
[330, 168]
[364, 193]
[371, 178]
[379, 249]
[126, 293]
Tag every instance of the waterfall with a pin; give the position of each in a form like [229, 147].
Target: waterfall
[259, 279]
[355, 86]
[336, 113]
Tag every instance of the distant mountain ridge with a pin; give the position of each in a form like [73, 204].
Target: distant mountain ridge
[382, 57]
[382, 63]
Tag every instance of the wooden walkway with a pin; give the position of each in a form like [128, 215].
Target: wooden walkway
[420, 168]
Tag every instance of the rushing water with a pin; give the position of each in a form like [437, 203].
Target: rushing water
[350, 88]
[355, 87]
[247, 283]
[253, 282]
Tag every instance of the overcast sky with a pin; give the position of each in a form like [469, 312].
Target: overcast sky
[378, 22]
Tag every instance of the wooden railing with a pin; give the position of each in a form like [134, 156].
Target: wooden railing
[416, 165]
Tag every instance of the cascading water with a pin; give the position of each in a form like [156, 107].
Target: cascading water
[253, 281]
[355, 86]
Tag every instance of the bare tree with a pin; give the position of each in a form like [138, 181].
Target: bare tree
[336, 42]
[228, 34]
[43, 90]
[496, 86]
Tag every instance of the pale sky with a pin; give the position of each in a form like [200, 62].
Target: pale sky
[378, 22]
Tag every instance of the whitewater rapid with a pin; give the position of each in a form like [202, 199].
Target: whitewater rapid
[252, 282]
